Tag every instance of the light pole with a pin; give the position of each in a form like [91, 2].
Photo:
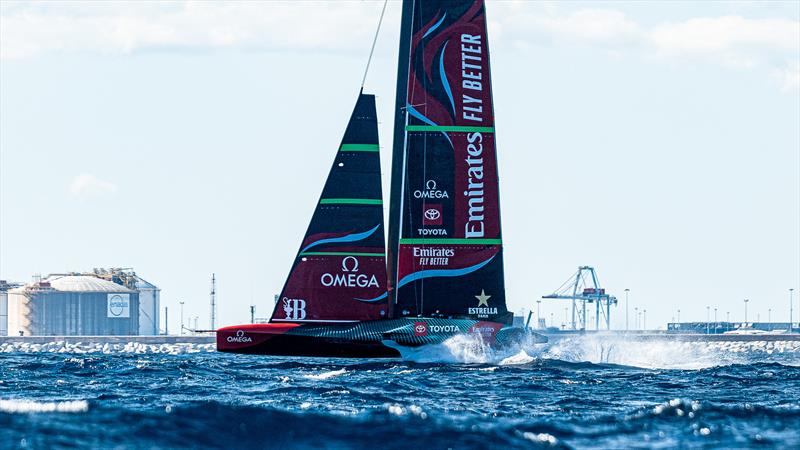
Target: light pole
[626, 308]
[708, 318]
[644, 320]
[791, 308]
[538, 312]
[769, 315]
[745, 311]
[181, 318]
[728, 316]
[679, 315]
[716, 324]
[636, 313]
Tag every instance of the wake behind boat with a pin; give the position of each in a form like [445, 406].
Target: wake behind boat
[350, 295]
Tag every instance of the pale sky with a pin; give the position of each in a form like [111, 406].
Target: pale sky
[658, 142]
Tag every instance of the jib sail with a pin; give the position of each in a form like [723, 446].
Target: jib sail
[339, 273]
[445, 253]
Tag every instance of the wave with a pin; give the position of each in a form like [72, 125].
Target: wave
[408, 425]
[325, 375]
[214, 424]
[31, 406]
[471, 349]
[670, 354]
[617, 350]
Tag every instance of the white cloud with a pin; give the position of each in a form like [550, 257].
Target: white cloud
[704, 35]
[522, 23]
[788, 78]
[731, 41]
[88, 186]
[594, 25]
[29, 29]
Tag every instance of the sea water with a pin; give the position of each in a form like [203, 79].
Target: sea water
[575, 393]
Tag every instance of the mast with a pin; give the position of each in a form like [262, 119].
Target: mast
[398, 150]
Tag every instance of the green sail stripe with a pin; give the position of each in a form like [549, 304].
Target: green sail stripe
[351, 201]
[340, 254]
[449, 128]
[453, 241]
[359, 148]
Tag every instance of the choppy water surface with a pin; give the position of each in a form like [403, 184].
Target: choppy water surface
[583, 393]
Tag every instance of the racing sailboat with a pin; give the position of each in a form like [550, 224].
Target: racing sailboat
[349, 294]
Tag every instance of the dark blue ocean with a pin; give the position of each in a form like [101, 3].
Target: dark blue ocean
[567, 395]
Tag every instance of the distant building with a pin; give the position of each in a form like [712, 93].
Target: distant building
[4, 307]
[724, 327]
[102, 302]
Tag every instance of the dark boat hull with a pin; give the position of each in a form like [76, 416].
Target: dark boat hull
[360, 339]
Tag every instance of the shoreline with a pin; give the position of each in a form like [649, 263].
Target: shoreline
[152, 340]
[553, 336]
[672, 337]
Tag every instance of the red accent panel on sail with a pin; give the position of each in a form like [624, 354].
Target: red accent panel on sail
[477, 209]
[328, 288]
[465, 47]
[415, 258]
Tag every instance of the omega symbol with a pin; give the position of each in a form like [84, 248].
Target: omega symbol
[354, 267]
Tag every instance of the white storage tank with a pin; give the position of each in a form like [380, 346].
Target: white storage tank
[73, 305]
[3, 308]
[149, 305]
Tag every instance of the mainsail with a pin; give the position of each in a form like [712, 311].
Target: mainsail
[339, 273]
[445, 246]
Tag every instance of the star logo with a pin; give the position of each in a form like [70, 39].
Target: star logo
[483, 299]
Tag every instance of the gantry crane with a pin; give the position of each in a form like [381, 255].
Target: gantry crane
[582, 288]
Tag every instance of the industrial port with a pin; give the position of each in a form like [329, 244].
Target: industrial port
[116, 306]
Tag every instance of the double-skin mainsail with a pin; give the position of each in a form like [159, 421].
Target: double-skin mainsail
[445, 247]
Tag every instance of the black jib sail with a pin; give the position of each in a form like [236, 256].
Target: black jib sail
[445, 247]
[339, 273]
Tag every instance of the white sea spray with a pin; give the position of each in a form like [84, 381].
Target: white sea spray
[325, 375]
[31, 406]
[665, 353]
[105, 348]
[660, 353]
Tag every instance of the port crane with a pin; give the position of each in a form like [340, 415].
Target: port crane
[582, 288]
